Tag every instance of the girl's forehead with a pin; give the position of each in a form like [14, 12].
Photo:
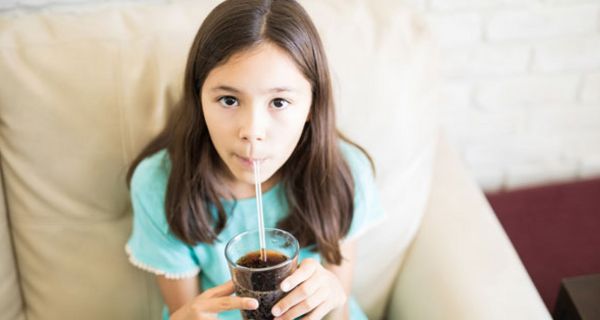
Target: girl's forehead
[265, 56]
[261, 68]
[262, 49]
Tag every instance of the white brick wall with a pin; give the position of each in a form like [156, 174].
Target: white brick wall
[540, 21]
[42, 4]
[526, 92]
[457, 29]
[485, 60]
[573, 54]
[476, 4]
[522, 92]
[591, 89]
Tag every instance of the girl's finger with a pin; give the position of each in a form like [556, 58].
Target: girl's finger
[318, 314]
[305, 271]
[221, 304]
[306, 305]
[223, 290]
[300, 293]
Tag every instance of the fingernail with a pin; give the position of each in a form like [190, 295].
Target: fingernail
[275, 311]
[285, 286]
[253, 304]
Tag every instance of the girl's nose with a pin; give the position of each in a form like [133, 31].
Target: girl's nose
[253, 125]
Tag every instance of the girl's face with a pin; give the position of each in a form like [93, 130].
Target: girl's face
[255, 106]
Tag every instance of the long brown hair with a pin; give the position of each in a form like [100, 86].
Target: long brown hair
[317, 180]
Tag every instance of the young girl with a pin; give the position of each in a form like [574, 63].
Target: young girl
[257, 88]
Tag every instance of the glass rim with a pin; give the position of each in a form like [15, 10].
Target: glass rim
[277, 266]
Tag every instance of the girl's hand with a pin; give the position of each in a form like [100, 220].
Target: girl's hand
[212, 301]
[316, 291]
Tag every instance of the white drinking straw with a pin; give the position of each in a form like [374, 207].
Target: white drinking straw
[259, 209]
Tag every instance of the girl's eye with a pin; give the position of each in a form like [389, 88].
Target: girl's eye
[228, 101]
[280, 103]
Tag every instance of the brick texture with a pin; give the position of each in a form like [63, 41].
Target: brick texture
[531, 23]
[577, 54]
[591, 89]
[521, 98]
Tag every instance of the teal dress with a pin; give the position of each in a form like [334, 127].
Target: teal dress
[154, 248]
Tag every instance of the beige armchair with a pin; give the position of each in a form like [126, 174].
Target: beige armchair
[83, 88]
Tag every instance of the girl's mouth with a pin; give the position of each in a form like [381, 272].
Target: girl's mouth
[248, 162]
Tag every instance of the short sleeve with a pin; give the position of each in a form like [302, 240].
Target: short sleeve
[368, 211]
[151, 246]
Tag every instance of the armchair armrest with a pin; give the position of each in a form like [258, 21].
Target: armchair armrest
[461, 264]
[11, 302]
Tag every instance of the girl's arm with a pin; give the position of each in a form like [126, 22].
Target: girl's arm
[186, 303]
[344, 273]
[178, 292]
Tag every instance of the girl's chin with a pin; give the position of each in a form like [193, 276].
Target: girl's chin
[267, 178]
[248, 177]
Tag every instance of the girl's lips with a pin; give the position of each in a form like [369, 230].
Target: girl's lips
[247, 162]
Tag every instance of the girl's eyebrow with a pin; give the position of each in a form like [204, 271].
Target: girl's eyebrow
[280, 89]
[235, 90]
[226, 88]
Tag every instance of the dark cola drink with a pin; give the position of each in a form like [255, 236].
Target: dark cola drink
[258, 273]
[261, 281]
